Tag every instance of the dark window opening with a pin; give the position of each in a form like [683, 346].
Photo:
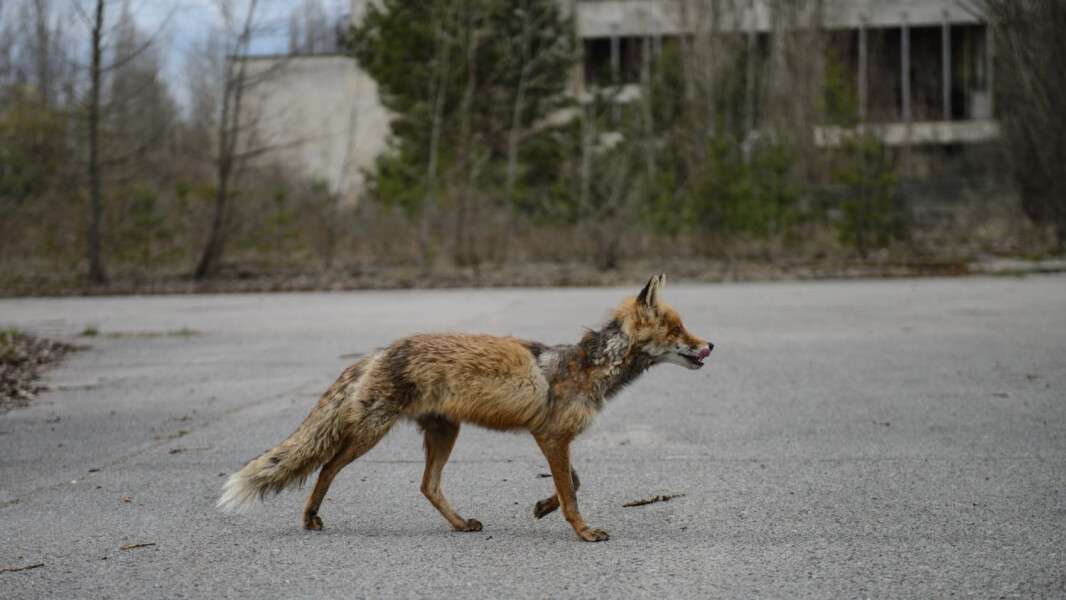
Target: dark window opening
[927, 73]
[884, 89]
[970, 96]
[604, 68]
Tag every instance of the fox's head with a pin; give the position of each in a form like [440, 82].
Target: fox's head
[656, 329]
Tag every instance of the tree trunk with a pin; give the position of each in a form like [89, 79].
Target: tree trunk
[213, 248]
[463, 251]
[647, 111]
[438, 93]
[513, 137]
[511, 179]
[44, 48]
[228, 136]
[97, 275]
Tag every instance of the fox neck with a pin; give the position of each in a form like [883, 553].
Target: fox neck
[611, 360]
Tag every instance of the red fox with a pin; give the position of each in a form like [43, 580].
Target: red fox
[504, 383]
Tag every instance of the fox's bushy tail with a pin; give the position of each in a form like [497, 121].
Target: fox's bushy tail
[314, 442]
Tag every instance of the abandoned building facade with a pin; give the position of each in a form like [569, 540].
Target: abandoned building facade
[922, 71]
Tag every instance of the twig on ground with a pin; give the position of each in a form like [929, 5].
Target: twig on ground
[16, 569]
[662, 498]
[132, 546]
[182, 449]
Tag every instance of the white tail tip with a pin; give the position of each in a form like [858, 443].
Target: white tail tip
[238, 494]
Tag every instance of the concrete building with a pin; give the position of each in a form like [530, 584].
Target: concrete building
[320, 115]
[922, 70]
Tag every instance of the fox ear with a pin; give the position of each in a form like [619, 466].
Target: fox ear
[649, 296]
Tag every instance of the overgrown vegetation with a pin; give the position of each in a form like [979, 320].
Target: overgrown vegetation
[471, 85]
[1031, 45]
[500, 158]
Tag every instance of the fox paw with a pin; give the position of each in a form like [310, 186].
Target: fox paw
[593, 535]
[545, 507]
[313, 523]
[470, 525]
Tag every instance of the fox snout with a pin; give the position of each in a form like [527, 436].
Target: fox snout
[690, 355]
[706, 351]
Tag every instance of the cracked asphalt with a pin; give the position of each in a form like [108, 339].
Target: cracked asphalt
[900, 438]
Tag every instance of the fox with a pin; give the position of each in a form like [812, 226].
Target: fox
[443, 380]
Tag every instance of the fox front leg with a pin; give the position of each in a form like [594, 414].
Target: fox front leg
[548, 505]
[558, 454]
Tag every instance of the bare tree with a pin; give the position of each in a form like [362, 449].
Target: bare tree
[42, 36]
[7, 43]
[97, 275]
[229, 129]
[139, 110]
[309, 30]
[34, 50]
[438, 90]
[470, 34]
[1030, 44]
[535, 53]
[97, 111]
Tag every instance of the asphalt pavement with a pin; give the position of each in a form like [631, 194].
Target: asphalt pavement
[899, 438]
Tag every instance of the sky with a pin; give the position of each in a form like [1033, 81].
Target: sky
[183, 23]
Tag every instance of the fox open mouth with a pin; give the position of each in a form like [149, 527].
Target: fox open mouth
[696, 361]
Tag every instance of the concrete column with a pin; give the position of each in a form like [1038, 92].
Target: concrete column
[863, 60]
[646, 51]
[945, 42]
[578, 70]
[990, 65]
[905, 68]
[616, 59]
[749, 83]
[616, 72]
[777, 78]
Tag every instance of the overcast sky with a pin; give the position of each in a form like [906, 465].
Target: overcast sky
[189, 18]
[183, 24]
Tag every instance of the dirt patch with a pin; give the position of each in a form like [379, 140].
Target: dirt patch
[23, 358]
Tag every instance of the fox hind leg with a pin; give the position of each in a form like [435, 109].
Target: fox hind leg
[549, 505]
[440, 434]
[368, 433]
[325, 477]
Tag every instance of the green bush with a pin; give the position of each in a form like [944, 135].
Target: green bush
[754, 196]
[866, 174]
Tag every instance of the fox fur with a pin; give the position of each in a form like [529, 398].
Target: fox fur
[502, 383]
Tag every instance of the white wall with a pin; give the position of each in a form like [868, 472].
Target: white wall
[323, 114]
